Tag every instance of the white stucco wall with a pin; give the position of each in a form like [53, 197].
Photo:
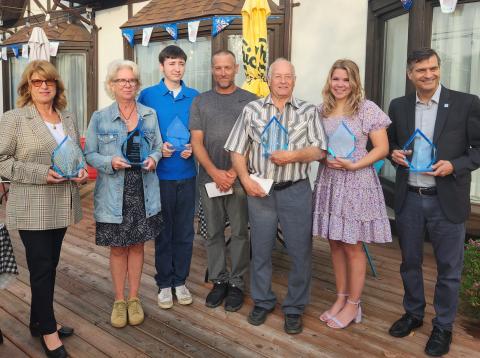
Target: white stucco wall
[110, 44]
[324, 31]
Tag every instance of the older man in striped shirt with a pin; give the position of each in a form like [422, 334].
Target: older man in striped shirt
[290, 199]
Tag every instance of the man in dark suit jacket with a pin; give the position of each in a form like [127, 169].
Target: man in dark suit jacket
[438, 200]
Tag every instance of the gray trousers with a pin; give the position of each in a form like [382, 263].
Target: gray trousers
[292, 207]
[422, 212]
[216, 210]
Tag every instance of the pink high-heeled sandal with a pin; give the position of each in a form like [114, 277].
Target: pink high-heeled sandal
[356, 319]
[326, 316]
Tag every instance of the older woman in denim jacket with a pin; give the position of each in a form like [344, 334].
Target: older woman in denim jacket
[127, 196]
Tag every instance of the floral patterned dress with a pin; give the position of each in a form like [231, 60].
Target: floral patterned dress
[349, 205]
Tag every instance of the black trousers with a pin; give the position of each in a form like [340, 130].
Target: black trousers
[42, 248]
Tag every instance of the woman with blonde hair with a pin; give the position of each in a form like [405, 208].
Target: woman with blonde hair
[127, 191]
[349, 206]
[41, 203]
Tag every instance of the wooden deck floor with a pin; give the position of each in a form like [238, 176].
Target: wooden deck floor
[83, 300]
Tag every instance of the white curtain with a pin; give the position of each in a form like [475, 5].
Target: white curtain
[394, 69]
[197, 72]
[456, 38]
[16, 65]
[72, 68]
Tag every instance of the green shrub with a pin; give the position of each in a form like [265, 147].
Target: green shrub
[470, 289]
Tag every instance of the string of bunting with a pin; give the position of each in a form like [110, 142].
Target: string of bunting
[21, 50]
[446, 6]
[219, 23]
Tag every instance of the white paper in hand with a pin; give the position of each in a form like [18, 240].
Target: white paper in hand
[266, 184]
[213, 191]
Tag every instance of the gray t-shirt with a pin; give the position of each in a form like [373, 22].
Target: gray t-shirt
[215, 114]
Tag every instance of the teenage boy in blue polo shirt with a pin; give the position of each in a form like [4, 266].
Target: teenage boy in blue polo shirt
[176, 171]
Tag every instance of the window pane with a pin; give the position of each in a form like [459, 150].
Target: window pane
[395, 59]
[235, 45]
[17, 65]
[456, 38]
[197, 73]
[72, 68]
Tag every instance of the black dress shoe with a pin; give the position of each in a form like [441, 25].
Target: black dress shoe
[59, 352]
[258, 315]
[216, 295]
[404, 326]
[234, 300]
[293, 323]
[63, 331]
[439, 342]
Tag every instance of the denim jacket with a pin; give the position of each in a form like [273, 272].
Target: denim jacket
[105, 135]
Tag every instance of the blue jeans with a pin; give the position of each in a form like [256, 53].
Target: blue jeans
[173, 247]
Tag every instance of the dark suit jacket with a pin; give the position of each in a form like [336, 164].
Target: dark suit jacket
[457, 137]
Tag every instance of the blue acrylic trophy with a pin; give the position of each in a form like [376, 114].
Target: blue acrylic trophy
[423, 153]
[178, 134]
[136, 147]
[67, 159]
[274, 137]
[341, 143]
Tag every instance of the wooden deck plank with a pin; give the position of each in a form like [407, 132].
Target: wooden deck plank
[84, 296]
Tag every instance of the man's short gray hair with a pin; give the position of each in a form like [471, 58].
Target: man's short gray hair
[112, 71]
[278, 60]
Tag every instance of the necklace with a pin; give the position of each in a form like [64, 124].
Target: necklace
[127, 118]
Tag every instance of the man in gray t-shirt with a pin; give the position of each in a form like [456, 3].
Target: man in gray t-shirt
[212, 117]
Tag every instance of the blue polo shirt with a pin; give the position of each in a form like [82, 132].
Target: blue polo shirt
[160, 98]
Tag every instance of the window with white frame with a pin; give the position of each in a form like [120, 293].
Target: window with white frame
[197, 72]
[16, 68]
[456, 38]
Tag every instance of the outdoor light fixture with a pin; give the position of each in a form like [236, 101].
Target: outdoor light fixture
[89, 11]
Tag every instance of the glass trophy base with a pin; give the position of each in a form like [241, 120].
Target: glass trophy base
[420, 170]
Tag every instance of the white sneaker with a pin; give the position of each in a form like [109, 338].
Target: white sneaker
[165, 298]
[184, 296]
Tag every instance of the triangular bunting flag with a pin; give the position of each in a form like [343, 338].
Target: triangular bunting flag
[193, 30]
[147, 33]
[448, 6]
[407, 4]
[15, 49]
[54, 48]
[129, 36]
[219, 23]
[172, 29]
[25, 50]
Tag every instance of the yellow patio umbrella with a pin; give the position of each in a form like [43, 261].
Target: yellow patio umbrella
[255, 45]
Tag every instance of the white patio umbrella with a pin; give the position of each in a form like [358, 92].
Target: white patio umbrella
[39, 45]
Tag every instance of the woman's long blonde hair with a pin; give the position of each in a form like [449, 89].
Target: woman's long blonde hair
[48, 71]
[355, 97]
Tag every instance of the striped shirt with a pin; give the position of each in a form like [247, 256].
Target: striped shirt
[302, 121]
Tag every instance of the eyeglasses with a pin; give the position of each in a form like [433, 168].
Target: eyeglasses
[39, 83]
[123, 82]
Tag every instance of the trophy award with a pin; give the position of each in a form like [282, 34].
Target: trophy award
[274, 137]
[135, 148]
[67, 159]
[178, 134]
[341, 143]
[422, 152]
